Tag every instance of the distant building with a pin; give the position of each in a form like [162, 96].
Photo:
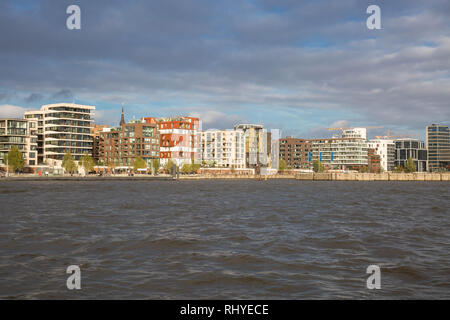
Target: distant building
[258, 145]
[225, 148]
[179, 139]
[295, 152]
[411, 148]
[61, 128]
[19, 133]
[374, 165]
[346, 153]
[385, 148]
[95, 131]
[120, 146]
[438, 146]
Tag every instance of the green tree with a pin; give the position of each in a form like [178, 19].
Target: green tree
[68, 163]
[195, 167]
[282, 165]
[410, 166]
[155, 165]
[15, 159]
[168, 166]
[399, 169]
[318, 166]
[88, 163]
[186, 168]
[139, 163]
[364, 169]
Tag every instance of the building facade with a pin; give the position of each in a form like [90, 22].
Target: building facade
[225, 148]
[61, 128]
[258, 145]
[411, 148]
[346, 153]
[438, 146]
[295, 152]
[385, 148]
[374, 161]
[120, 146]
[22, 134]
[179, 140]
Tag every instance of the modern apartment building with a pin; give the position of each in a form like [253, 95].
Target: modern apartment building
[61, 128]
[295, 152]
[225, 148]
[438, 146]
[22, 134]
[385, 148]
[346, 153]
[179, 140]
[374, 161]
[258, 145]
[120, 146]
[411, 148]
[96, 129]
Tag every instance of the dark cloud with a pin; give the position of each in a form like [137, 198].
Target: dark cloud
[236, 57]
[34, 97]
[63, 94]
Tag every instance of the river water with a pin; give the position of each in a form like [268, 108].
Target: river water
[218, 239]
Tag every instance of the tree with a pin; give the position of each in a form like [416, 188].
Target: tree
[168, 166]
[155, 165]
[282, 165]
[318, 166]
[364, 169]
[186, 168]
[88, 163]
[399, 169]
[68, 164]
[139, 163]
[410, 166]
[15, 159]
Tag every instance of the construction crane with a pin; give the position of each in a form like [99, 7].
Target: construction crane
[388, 136]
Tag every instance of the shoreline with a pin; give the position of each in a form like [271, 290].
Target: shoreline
[331, 176]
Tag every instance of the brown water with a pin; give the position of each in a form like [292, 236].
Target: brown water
[224, 239]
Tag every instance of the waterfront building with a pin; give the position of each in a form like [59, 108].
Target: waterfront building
[411, 148]
[374, 161]
[258, 145]
[61, 128]
[385, 148]
[438, 146]
[225, 148]
[295, 152]
[95, 131]
[22, 134]
[179, 140]
[346, 153]
[120, 146]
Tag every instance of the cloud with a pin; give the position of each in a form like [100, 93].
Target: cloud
[34, 97]
[63, 94]
[212, 119]
[10, 111]
[237, 58]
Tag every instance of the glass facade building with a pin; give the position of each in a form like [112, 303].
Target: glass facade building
[438, 145]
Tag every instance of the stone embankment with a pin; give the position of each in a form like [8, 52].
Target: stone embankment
[337, 176]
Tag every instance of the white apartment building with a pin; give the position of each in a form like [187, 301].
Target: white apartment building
[224, 147]
[61, 128]
[385, 148]
[346, 153]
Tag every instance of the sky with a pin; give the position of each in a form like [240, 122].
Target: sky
[298, 66]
